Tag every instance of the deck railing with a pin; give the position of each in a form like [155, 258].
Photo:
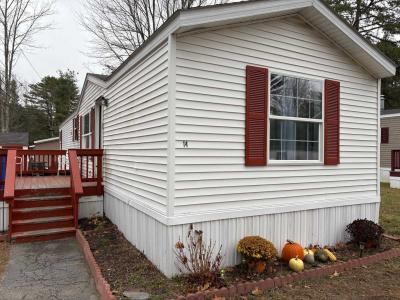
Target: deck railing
[3, 162]
[49, 162]
[76, 183]
[9, 185]
[91, 167]
[395, 163]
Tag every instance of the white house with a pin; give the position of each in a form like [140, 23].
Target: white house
[252, 118]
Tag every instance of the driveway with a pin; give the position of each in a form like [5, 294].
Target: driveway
[54, 270]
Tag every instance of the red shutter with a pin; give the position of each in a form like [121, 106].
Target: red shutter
[332, 123]
[76, 129]
[80, 130]
[385, 135]
[92, 127]
[256, 116]
[60, 139]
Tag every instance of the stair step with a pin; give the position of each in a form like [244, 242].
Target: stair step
[43, 235]
[41, 212]
[42, 220]
[43, 223]
[41, 202]
[42, 192]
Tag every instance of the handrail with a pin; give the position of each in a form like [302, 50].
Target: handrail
[52, 161]
[41, 152]
[91, 167]
[76, 183]
[9, 187]
[9, 184]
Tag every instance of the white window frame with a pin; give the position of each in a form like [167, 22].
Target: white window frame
[320, 121]
[88, 135]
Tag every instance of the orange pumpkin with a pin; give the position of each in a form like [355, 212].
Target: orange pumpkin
[292, 250]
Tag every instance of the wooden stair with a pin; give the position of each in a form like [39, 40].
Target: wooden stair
[42, 218]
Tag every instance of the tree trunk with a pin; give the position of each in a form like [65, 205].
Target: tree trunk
[357, 18]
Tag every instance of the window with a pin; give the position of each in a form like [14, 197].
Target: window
[75, 124]
[385, 135]
[295, 118]
[86, 136]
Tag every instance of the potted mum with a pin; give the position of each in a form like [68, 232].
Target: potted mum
[257, 252]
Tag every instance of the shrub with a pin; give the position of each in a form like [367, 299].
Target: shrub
[365, 231]
[198, 259]
[256, 248]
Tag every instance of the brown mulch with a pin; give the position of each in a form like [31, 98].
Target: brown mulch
[123, 266]
[343, 252]
[4, 257]
[127, 269]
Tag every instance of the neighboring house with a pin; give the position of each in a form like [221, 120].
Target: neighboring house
[390, 139]
[47, 144]
[253, 118]
[17, 139]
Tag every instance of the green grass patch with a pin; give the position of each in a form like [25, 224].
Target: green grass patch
[390, 209]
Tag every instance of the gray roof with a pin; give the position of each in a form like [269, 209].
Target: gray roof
[99, 76]
[390, 111]
[14, 138]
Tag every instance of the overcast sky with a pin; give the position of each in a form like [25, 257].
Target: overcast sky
[64, 47]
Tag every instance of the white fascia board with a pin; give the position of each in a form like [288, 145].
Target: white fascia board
[46, 140]
[238, 12]
[389, 66]
[97, 81]
[390, 116]
[230, 13]
[211, 15]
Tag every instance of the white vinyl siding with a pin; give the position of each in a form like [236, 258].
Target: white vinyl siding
[324, 226]
[68, 134]
[210, 114]
[91, 93]
[135, 133]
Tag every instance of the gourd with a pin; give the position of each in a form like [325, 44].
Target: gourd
[296, 264]
[292, 250]
[308, 251]
[321, 255]
[330, 255]
[309, 258]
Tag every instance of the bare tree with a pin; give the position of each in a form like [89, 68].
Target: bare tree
[119, 27]
[20, 20]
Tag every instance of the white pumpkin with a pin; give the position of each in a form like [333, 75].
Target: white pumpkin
[296, 264]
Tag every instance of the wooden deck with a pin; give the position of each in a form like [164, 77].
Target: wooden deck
[45, 182]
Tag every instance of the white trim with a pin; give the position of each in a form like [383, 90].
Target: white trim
[269, 208]
[320, 159]
[46, 140]
[190, 20]
[378, 142]
[171, 124]
[390, 115]
[389, 67]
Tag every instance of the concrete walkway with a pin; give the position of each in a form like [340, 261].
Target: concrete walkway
[54, 270]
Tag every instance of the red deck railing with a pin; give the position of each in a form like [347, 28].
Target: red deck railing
[50, 162]
[3, 162]
[76, 183]
[91, 167]
[9, 185]
[395, 163]
[84, 166]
